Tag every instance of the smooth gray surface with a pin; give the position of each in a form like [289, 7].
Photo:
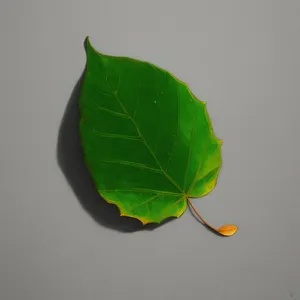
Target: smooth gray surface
[242, 58]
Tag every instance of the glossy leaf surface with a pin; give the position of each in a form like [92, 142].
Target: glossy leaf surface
[147, 141]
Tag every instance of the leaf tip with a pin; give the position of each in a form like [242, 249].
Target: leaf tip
[87, 43]
[227, 230]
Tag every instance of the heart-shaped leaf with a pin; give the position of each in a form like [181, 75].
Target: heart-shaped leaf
[147, 140]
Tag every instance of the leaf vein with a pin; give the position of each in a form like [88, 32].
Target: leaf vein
[145, 203]
[175, 203]
[116, 136]
[133, 164]
[110, 111]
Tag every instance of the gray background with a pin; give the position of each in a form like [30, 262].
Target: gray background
[242, 58]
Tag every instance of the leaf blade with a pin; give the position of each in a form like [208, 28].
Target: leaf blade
[162, 128]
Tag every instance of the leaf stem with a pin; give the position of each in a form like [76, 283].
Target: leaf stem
[199, 216]
[226, 230]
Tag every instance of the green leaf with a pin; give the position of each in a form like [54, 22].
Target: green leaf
[147, 140]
